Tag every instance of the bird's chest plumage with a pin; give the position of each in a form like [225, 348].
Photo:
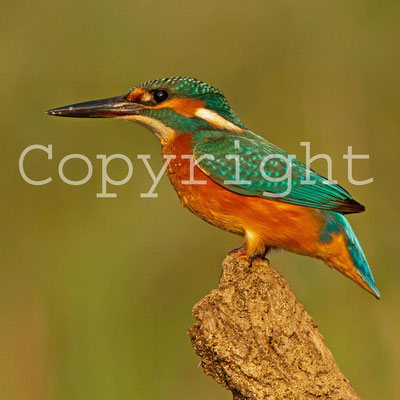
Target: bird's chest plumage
[196, 190]
[268, 222]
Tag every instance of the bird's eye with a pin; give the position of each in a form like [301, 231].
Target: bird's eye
[160, 95]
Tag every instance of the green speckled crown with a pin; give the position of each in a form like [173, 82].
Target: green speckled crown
[185, 87]
[213, 98]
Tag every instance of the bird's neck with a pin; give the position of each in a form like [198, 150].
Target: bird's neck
[178, 145]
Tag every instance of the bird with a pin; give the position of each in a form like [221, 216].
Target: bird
[233, 179]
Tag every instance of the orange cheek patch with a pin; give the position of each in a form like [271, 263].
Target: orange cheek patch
[185, 107]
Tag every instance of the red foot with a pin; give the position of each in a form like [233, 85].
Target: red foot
[238, 252]
[242, 253]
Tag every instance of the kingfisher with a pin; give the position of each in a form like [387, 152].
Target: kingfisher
[232, 178]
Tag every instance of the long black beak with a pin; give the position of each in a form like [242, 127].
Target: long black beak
[105, 108]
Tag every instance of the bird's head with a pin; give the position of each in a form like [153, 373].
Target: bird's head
[166, 106]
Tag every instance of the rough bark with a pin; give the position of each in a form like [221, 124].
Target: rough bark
[254, 339]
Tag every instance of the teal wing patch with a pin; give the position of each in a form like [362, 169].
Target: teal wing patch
[252, 166]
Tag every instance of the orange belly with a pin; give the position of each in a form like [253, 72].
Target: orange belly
[263, 222]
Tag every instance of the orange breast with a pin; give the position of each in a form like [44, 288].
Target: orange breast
[264, 222]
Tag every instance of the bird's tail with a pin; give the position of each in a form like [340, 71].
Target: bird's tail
[359, 271]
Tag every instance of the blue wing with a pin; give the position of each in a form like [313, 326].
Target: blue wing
[265, 170]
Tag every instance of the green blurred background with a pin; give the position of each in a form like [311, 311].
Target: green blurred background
[96, 294]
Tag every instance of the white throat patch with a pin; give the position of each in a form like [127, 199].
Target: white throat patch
[163, 132]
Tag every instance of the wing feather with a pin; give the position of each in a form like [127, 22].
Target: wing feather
[262, 168]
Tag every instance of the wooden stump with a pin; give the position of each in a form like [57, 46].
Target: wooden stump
[254, 339]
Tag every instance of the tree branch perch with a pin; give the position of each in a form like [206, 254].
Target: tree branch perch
[254, 339]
